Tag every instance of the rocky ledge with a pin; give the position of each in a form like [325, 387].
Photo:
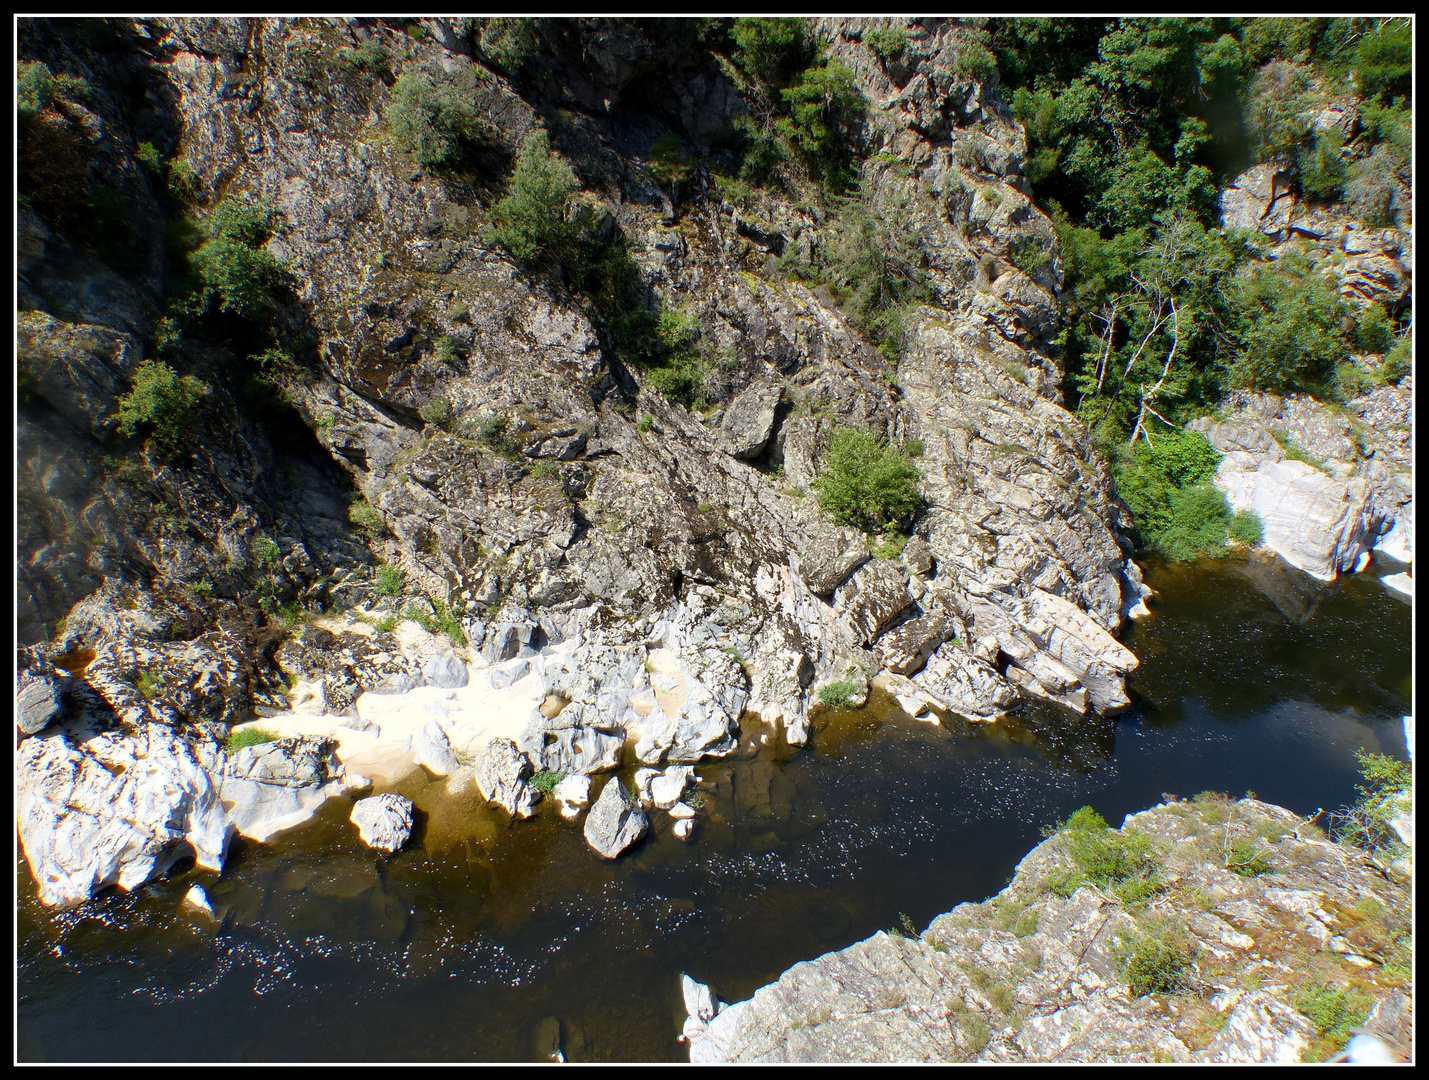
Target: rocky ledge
[1206, 930]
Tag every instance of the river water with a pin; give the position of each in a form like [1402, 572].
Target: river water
[487, 941]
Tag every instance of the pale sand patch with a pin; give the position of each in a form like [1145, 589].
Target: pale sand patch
[471, 716]
[668, 681]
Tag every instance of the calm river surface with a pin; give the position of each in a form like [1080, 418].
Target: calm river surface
[468, 945]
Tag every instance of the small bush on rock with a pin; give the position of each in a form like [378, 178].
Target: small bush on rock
[840, 694]
[867, 482]
[530, 221]
[1246, 528]
[162, 399]
[545, 781]
[1158, 961]
[433, 117]
[248, 737]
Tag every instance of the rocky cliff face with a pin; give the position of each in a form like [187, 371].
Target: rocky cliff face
[560, 498]
[1250, 924]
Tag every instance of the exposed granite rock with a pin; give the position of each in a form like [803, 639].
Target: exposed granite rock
[383, 821]
[1034, 976]
[1322, 518]
[274, 786]
[433, 750]
[615, 821]
[115, 807]
[501, 774]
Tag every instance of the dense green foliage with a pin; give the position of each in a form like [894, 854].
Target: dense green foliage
[806, 110]
[162, 400]
[1122, 861]
[867, 482]
[233, 269]
[433, 116]
[1133, 125]
[530, 220]
[1165, 483]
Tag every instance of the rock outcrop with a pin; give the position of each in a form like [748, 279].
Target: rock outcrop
[524, 482]
[615, 821]
[1045, 970]
[1324, 515]
[383, 821]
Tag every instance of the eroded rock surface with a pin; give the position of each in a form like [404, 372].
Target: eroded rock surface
[383, 821]
[1037, 975]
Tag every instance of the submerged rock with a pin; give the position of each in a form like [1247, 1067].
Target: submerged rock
[383, 821]
[615, 821]
[197, 898]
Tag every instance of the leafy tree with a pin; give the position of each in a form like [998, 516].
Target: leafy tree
[163, 400]
[1293, 332]
[433, 115]
[507, 43]
[867, 482]
[770, 50]
[232, 265]
[530, 221]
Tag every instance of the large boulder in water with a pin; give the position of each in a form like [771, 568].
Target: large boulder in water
[501, 772]
[100, 808]
[384, 821]
[615, 821]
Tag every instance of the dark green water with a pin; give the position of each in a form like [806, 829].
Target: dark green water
[458, 948]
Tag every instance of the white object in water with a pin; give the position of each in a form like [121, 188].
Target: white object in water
[1400, 583]
[196, 897]
[1365, 1049]
[1409, 735]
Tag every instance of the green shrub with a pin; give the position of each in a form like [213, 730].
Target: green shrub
[390, 580]
[162, 399]
[840, 694]
[438, 411]
[149, 158]
[367, 517]
[448, 350]
[889, 42]
[545, 781]
[1199, 523]
[1293, 335]
[34, 86]
[1371, 191]
[890, 547]
[248, 737]
[1322, 170]
[975, 61]
[231, 263]
[530, 220]
[825, 109]
[506, 43]
[682, 380]
[447, 623]
[1150, 478]
[1158, 961]
[386, 624]
[1246, 528]
[148, 684]
[645, 423]
[867, 483]
[203, 588]
[269, 554]
[433, 115]
[1335, 1011]
[1121, 861]
[770, 50]
[1247, 857]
